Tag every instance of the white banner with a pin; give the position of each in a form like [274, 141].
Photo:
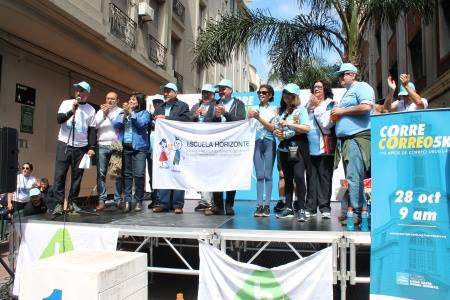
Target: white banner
[221, 277]
[44, 240]
[203, 156]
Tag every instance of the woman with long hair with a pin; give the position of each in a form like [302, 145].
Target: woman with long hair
[265, 148]
[322, 156]
[133, 124]
[291, 128]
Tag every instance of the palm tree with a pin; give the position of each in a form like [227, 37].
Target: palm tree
[305, 35]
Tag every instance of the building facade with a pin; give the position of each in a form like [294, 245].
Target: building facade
[118, 45]
[412, 47]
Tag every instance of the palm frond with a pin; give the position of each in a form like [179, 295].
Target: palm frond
[288, 39]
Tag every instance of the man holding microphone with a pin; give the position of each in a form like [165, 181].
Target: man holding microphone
[76, 137]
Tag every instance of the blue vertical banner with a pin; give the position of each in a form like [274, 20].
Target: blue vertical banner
[410, 251]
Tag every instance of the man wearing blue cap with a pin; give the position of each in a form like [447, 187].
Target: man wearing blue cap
[76, 137]
[176, 110]
[352, 118]
[408, 99]
[228, 109]
[203, 111]
[36, 204]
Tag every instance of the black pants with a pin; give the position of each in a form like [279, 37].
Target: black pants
[320, 183]
[293, 171]
[229, 200]
[65, 159]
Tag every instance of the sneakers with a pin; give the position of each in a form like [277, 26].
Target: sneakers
[127, 207]
[259, 211]
[266, 211]
[138, 206]
[58, 209]
[178, 211]
[110, 202]
[75, 207]
[279, 206]
[326, 215]
[302, 217]
[309, 214]
[202, 206]
[214, 211]
[286, 213]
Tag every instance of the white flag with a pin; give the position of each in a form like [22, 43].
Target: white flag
[221, 277]
[203, 156]
[44, 240]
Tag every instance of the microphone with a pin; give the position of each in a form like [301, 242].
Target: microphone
[75, 105]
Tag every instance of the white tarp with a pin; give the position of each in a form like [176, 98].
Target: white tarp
[44, 240]
[203, 156]
[221, 277]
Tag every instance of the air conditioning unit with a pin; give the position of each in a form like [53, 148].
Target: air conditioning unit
[145, 12]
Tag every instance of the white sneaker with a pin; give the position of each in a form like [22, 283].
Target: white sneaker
[326, 215]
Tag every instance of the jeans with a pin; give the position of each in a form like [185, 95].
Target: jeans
[133, 165]
[165, 196]
[263, 159]
[354, 172]
[67, 156]
[104, 155]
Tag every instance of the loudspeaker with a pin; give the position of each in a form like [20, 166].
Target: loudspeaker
[9, 151]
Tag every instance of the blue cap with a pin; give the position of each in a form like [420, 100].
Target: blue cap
[403, 92]
[35, 192]
[346, 67]
[226, 83]
[292, 88]
[208, 87]
[157, 97]
[84, 85]
[170, 85]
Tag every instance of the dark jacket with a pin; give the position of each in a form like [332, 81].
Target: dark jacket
[209, 115]
[179, 111]
[236, 113]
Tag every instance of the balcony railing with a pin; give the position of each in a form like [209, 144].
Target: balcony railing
[122, 26]
[157, 53]
[178, 9]
[179, 81]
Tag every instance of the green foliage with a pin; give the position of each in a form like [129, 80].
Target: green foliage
[292, 42]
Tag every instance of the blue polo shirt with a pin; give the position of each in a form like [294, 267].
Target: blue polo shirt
[357, 93]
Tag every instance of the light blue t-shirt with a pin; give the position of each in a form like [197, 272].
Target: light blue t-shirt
[167, 109]
[227, 104]
[128, 132]
[321, 115]
[267, 113]
[357, 93]
[299, 116]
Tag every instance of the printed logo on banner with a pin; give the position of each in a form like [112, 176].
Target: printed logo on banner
[55, 295]
[166, 153]
[61, 242]
[261, 285]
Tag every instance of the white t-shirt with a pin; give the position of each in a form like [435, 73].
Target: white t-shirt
[105, 130]
[24, 185]
[84, 118]
[400, 104]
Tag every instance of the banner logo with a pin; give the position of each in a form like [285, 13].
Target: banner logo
[261, 285]
[61, 242]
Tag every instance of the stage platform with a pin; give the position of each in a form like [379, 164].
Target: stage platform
[242, 236]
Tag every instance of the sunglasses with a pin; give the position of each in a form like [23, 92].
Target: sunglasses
[262, 93]
[25, 168]
[319, 87]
